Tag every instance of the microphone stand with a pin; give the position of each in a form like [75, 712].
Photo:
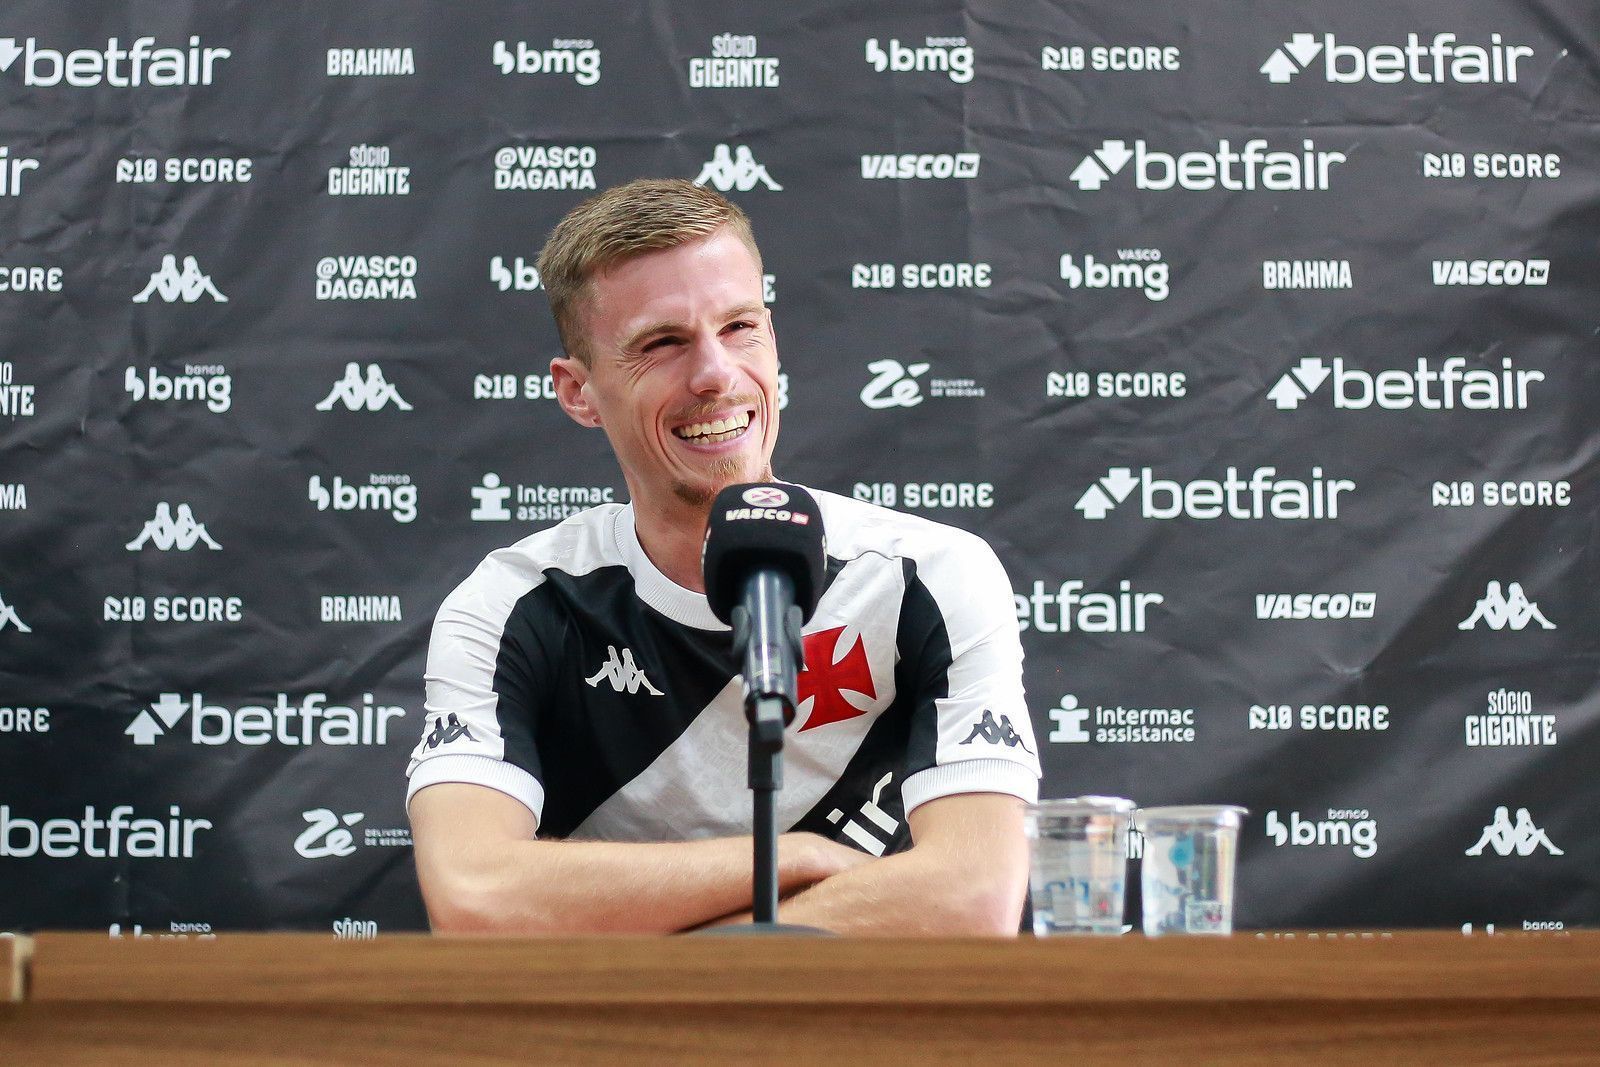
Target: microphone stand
[773, 654]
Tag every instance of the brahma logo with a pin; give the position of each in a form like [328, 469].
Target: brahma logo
[1252, 167]
[1262, 496]
[371, 62]
[1451, 386]
[1437, 62]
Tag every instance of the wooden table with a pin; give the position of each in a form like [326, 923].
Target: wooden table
[259, 998]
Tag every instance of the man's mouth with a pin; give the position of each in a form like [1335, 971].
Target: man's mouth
[716, 431]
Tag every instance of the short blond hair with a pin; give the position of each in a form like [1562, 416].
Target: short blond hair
[625, 221]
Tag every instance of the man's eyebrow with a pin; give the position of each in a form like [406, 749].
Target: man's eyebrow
[669, 326]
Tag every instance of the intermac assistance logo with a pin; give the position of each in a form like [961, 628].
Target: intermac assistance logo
[1262, 495]
[1451, 386]
[140, 63]
[358, 392]
[1442, 60]
[1249, 168]
[1119, 725]
[577, 59]
[1509, 610]
[1505, 837]
[735, 168]
[534, 503]
[171, 284]
[899, 385]
[167, 532]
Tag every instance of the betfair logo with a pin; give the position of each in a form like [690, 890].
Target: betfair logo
[1451, 386]
[1263, 495]
[1248, 168]
[138, 64]
[1439, 61]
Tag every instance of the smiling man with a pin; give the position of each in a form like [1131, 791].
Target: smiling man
[582, 767]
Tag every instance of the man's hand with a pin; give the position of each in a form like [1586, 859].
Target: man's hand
[482, 871]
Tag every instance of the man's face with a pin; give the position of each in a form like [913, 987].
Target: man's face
[683, 371]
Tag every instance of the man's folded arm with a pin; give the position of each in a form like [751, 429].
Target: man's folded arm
[966, 873]
[482, 871]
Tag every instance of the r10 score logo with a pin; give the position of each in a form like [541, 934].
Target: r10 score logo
[1340, 718]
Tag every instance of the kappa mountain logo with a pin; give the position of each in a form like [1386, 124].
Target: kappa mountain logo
[1262, 496]
[1440, 61]
[357, 393]
[446, 730]
[1447, 388]
[172, 285]
[1509, 610]
[622, 673]
[1506, 837]
[1252, 167]
[996, 733]
[327, 835]
[141, 63]
[825, 679]
[9, 617]
[735, 168]
[167, 533]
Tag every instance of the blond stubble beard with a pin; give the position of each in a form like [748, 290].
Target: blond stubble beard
[723, 473]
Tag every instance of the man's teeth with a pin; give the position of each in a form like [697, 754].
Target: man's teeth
[716, 428]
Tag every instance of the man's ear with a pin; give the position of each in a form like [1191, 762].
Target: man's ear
[571, 380]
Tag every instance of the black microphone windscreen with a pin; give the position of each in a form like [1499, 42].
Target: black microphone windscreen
[763, 525]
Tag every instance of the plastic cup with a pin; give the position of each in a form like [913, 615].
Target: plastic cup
[1190, 853]
[1079, 866]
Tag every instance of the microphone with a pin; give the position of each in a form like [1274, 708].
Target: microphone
[764, 564]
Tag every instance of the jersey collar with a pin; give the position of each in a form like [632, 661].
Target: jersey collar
[656, 589]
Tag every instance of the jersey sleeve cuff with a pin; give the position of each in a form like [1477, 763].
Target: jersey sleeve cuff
[507, 778]
[970, 776]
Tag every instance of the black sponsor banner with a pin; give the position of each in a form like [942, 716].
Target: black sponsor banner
[1264, 357]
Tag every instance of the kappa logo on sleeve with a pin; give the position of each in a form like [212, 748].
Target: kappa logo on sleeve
[446, 730]
[996, 733]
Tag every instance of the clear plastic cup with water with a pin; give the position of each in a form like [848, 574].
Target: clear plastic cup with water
[1190, 855]
[1079, 869]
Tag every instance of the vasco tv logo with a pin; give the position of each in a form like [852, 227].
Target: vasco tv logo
[579, 59]
[945, 55]
[141, 63]
[1252, 167]
[210, 383]
[1262, 495]
[310, 721]
[1439, 61]
[1343, 826]
[1451, 385]
[393, 493]
[735, 168]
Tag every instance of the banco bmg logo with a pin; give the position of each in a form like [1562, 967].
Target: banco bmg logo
[951, 56]
[393, 493]
[210, 383]
[1354, 828]
[1249, 168]
[311, 720]
[1262, 495]
[575, 58]
[140, 63]
[519, 274]
[1450, 386]
[1443, 60]
[1138, 268]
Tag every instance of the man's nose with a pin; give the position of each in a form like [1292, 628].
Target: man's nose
[714, 369]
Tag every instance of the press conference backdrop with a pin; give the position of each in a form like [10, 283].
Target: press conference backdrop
[1259, 340]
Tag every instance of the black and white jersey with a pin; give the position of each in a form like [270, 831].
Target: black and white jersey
[569, 673]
